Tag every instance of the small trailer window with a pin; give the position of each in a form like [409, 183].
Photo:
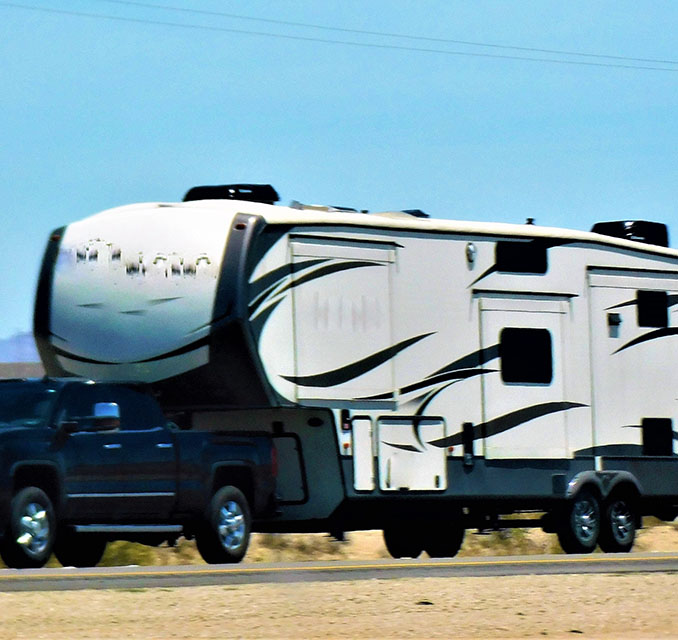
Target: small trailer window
[521, 257]
[653, 308]
[526, 355]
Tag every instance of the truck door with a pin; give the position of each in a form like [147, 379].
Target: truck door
[524, 395]
[127, 472]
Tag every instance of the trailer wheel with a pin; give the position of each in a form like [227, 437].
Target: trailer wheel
[79, 550]
[225, 533]
[579, 525]
[444, 540]
[29, 537]
[403, 543]
[618, 528]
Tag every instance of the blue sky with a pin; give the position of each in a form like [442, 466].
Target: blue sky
[96, 112]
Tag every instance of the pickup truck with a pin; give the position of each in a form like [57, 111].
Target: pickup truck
[82, 463]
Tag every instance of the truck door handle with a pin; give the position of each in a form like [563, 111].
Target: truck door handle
[164, 445]
[114, 445]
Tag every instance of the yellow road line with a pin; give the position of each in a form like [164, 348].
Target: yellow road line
[334, 567]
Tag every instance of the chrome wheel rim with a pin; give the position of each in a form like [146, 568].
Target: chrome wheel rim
[34, 529]
[585, 520]
[622, 523]
[231, 526]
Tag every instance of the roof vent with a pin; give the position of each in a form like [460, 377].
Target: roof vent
[638, 230]
[264, 193]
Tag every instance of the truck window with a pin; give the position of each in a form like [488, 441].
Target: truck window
[138, 411]
[526, 355]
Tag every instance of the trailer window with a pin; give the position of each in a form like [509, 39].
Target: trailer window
[653, 308]
[526, 355]
[521, 257]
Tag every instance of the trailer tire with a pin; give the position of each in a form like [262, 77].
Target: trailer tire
[79, 549]
[224, 535]
[444, 540]
[579, 525]
[618, 527]
[28, 540]
[403, 543]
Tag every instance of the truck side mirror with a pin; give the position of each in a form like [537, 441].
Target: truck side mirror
[106, 416]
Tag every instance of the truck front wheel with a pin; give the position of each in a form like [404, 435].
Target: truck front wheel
[225, 533]
[29, 537]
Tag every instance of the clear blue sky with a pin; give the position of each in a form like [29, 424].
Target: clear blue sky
[96, 113]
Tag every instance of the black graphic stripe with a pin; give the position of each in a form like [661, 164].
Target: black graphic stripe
[431, 395]
[475, 359]
[356, 369]
[280, 273]
[671, 301]
[403, 447]
[508, 421]
[261, 288]
[257, 325]
[461, 374]
[325, 271]
[652, 335]
[177, 352]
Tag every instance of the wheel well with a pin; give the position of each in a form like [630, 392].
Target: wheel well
[624, 488]
[43, 477]
[239, 477]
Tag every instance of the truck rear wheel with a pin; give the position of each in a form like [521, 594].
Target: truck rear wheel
[79, 550]
[618, 527]
[402, 542]
[225, 533]
[29, 537]
[579, 524]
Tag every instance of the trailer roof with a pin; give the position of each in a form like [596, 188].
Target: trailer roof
[320, 216]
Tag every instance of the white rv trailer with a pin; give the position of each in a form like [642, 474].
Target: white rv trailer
[420, 376]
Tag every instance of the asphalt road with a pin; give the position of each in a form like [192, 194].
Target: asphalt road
[187, 576]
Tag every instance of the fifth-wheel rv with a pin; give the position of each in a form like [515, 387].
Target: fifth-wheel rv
[418, 376]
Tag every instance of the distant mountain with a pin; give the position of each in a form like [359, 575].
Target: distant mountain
[19, 348]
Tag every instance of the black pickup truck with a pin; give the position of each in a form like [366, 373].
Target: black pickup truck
[82, 463]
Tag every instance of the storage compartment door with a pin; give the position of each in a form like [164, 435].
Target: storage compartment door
[406, 461]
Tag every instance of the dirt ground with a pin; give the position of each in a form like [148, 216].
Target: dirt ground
[594, 606]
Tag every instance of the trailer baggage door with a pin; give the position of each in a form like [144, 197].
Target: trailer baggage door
[524, 401]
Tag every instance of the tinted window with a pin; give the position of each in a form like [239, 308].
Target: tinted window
[521, 257]
[137, 410]
[26, 404]
[526, 355]
[653, 308]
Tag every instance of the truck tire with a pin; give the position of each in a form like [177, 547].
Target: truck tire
[225, 533]
[403, 543]
[79, 550]
[444, 539]
[579, 525]
[618, 526]
[29, 537]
